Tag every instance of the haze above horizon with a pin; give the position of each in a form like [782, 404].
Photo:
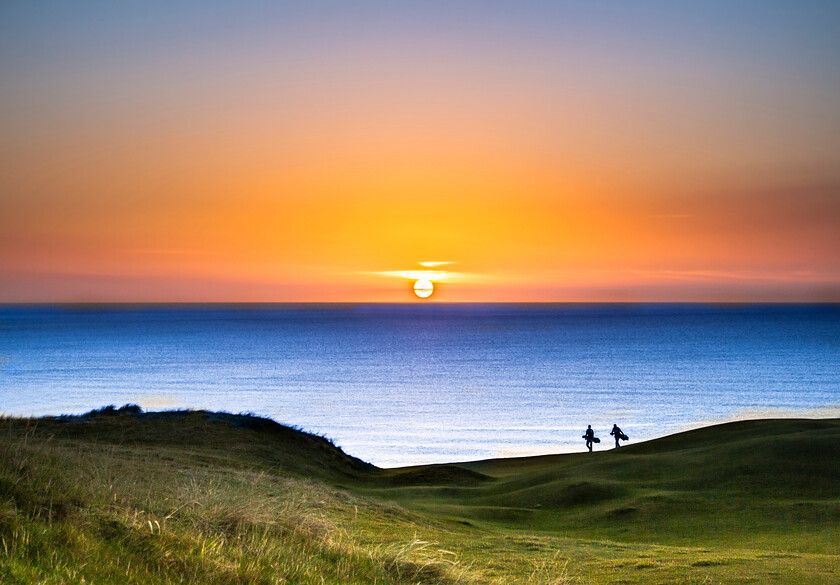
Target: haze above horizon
[338, 152]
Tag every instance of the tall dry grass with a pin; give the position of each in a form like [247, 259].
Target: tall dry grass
[104, 514]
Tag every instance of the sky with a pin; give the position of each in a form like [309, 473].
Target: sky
[321, 151]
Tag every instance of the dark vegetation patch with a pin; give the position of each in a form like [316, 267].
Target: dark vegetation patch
[588, 493]
[624, 511]
[27, 485]
[111, 410]
[437, 475]
[709, 563]
[501, 514]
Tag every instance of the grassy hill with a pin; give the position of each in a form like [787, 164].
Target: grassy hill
[122, 496]
[749, 483]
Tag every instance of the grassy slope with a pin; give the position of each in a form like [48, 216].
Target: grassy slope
[192, 496]
[755, 483]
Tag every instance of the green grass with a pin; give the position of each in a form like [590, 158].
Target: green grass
[119, 496]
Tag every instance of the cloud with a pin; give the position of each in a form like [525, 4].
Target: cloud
[432, 275]
[428, 273]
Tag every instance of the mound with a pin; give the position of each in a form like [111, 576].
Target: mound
[232, 439]
[436, 475]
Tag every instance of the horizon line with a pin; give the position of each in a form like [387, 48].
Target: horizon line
[397, 303]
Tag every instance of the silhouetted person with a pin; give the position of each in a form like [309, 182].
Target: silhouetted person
[589, 436]
[618, 434]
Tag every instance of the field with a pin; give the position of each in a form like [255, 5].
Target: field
[121, 496]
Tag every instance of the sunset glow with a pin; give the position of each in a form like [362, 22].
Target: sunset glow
[565, 152]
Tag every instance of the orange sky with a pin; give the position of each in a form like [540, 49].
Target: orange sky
[277, 164]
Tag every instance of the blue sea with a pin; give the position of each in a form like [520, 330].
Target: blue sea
[409, 384]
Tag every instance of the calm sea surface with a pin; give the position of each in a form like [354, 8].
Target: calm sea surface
[407, 384]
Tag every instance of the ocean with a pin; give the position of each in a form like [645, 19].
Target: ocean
[425, 383]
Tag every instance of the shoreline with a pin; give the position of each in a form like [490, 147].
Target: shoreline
[250, 420]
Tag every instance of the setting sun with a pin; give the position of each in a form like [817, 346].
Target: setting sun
[424, 288]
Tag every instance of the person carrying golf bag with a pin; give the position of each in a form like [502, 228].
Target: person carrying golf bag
[589, 437]
[618, 434]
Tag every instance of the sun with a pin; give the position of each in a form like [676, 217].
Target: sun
[424, 288]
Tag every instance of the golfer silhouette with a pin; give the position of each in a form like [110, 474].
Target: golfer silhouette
[589, 437]
[618, 434]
